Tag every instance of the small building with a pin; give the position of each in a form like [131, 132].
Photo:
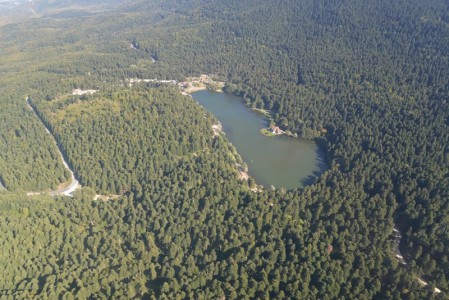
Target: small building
[276, 130]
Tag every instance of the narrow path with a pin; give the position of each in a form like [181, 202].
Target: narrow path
[74, 184]
[397, 242]
[400, 258]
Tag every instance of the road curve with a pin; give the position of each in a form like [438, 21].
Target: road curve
[74, 184]
[397, 242]
[400, 258]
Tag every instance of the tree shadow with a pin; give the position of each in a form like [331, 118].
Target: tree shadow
[321, 165]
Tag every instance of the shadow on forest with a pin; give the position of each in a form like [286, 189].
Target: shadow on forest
[322, 166]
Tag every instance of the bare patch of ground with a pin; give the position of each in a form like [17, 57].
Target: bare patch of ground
[105, 198]
[80, 92]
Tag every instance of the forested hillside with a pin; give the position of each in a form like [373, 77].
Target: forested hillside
[368, 81]
[118, 139]
[29, 160]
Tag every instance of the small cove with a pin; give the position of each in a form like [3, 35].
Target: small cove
[280, 161]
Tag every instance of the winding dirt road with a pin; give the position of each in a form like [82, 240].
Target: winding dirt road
[400, 258]
[74, 184]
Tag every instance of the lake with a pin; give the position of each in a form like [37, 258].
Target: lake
[280, 161]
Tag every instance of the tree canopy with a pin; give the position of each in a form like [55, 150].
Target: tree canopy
[367, 81]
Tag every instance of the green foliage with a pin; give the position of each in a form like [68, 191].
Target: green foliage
[120, 138]
[28, 156]
[367, 80]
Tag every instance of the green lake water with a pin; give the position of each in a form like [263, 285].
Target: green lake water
[280, 161]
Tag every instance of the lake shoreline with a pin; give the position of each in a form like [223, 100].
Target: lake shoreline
[281, 162]
[201, 83]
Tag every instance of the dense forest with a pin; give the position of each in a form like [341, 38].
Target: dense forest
[367, 81]
[29, 161]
